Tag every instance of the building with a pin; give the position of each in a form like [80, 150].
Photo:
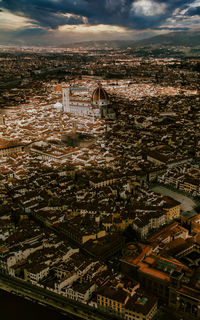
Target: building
[82, 229]
[184, 294]
[152, 270]
[76, 104]
[105, 247]
[8, 147]
[167, 159]
[148, 221]
[96, 106]
[35, 273]
[191, 185]
[112, 299]
[141, 307]
[80, 290]
[135, 305]
[172, 208]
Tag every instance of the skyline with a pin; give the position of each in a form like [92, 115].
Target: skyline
[56, 22]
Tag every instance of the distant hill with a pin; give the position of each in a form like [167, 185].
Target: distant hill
[177, 39]
[180, 38]
[102, 44]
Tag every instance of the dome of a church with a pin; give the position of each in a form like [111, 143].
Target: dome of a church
[100, 94]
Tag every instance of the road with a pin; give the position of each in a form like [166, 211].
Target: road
[52, 299]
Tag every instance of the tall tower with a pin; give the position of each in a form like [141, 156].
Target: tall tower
[65, 98]
[74, 128]
[2, 120]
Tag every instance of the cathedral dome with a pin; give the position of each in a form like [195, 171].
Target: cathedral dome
[99, 94]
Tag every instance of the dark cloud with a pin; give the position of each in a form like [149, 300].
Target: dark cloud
[49, 13]
[29, 32]
[193, 11]
[172, 29]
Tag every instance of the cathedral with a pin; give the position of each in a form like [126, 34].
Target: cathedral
[97, 106]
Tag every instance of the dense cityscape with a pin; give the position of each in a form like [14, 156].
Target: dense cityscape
[99, 182]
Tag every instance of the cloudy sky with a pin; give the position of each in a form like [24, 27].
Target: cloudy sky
[52, 22]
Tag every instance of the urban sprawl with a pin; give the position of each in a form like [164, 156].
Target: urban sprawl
[100, 182]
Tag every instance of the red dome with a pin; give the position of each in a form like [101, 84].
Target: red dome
[99, 94]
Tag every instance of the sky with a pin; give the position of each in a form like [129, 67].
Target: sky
[57, 22]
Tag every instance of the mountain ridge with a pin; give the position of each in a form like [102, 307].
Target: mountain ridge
[175, 38]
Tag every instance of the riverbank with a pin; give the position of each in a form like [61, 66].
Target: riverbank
[14, 307]
[26, 300]
[74, 309]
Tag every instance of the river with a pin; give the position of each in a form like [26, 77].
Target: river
[13, 307]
